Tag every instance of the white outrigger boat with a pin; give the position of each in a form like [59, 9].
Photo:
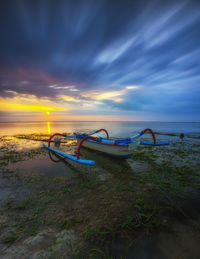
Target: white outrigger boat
[121, 148]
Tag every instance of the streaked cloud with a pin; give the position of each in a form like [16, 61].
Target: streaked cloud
[115, 50]
[105, 57]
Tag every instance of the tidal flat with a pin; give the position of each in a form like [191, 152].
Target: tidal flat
[147, 206]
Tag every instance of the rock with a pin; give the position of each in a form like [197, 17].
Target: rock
[38, 239]
[41, 255]
[3, 220]
[15, 252]
[65, 240]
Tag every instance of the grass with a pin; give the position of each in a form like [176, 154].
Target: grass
[70, 222]
[23, 205]
[14, 157]
[87, 184]
[9, 240]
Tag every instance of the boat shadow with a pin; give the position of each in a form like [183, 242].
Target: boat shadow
[105, 161]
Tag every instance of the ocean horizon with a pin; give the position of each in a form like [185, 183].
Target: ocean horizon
[116, 128]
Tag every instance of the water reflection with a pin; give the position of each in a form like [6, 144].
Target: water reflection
[18, 143]
[41, 165]
[48, 127]
[53, 159]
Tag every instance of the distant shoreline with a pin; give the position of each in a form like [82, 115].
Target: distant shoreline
[99, 121]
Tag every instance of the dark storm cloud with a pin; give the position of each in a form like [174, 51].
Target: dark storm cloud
[106, 45]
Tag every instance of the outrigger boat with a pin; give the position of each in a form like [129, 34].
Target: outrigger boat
[121, 148]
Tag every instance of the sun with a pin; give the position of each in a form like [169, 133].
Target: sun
[47, 113]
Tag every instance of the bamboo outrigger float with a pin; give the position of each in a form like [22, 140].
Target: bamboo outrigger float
[115, 147]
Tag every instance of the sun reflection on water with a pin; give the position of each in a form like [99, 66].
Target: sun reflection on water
[48, 127]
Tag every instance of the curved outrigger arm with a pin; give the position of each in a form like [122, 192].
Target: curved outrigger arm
[149, 143]
[143, 132]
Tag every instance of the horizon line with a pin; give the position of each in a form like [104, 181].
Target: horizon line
[100, 121]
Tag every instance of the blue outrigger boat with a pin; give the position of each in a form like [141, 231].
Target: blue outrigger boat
[122, 148]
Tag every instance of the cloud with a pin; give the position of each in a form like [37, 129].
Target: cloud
[81, 54]
[27, 102]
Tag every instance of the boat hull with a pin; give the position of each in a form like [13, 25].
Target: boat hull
[123, 151]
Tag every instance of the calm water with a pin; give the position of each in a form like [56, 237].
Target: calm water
[116, 129]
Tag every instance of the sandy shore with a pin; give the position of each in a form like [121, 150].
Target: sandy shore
[148, 205]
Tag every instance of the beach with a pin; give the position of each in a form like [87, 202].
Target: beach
[146, 205]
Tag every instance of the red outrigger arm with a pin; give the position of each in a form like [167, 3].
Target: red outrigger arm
[107, 135]
[80, 144]
[56, 134]
[89, 137]
[153, 136]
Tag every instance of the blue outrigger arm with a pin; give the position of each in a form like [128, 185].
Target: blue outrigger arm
[81, 161]
[154, 144]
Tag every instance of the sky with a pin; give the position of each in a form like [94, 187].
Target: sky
[99, 60]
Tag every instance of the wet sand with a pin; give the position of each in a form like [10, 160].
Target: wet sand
[147, 206]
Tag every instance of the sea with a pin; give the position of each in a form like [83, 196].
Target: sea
[115, 129]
